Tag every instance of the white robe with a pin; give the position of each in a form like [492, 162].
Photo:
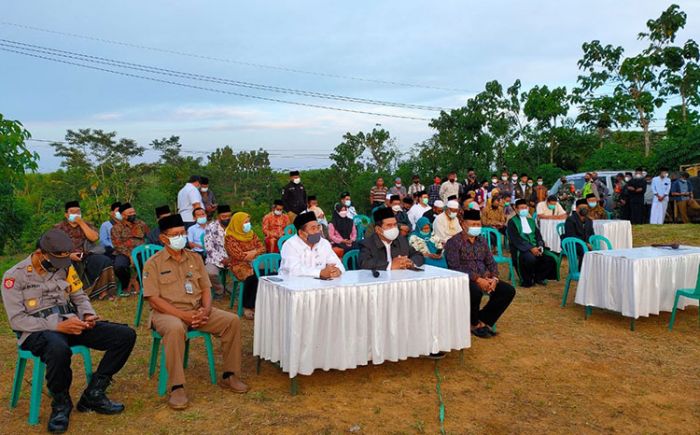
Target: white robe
[660, 186]
[444, 227]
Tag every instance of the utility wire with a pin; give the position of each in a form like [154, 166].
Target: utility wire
[234, 61]
[162, 71]
[204, 88]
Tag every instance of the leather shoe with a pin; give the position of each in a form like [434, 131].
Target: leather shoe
[178, 399]
[61, 406]
[543, 282]
[482, 332]
[234, 384]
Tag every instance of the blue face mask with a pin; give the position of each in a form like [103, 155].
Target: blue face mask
[117, 216]
[247, 227]
[202, 220]
[72, 217]
[524, 212]
[474, 231]
[592, 204]
[425, 233]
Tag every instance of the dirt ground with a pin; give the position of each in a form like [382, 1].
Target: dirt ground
[549, 371]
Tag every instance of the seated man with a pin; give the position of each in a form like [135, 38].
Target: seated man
[49, 311]
[94, 266]
[595, 210]
[386, 249]
[493, 214]
[196, 231]
[217, 258]
[273, 225]
[127, 234]
[399, 213]
[446, 224]
[309, 254]
[550, 209]
[438, 207]
[106, 228]
[469, 252]
[579, 226]
[528, 249]
[177, 287]
[153, 236]
[318, 211]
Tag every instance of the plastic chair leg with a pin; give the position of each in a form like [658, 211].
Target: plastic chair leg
[210, 358]
[673, 313]
[155, 345]
[240, 299]
[87, 361]
[588, 312]
[511, 271]
[17, 382]
[37, 387]
[139, 309]
[163, 374]
[187, 353]
[566, 291]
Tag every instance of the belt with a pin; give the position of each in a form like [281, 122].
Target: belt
[57, 309]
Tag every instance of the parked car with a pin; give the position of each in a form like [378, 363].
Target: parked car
[578, 181]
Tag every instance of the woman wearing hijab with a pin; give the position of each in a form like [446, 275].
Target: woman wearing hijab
[341, 231]
[242, 246]
[421, 241]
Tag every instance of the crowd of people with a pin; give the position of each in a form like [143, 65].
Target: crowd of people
[439, 225]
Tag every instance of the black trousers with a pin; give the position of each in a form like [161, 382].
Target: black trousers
[95, 264]
[534, 268]
[250, 291]
[638, 214]
[122, 268]
[53, 348]
[499, 300]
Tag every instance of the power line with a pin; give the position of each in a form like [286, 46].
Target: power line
[191, 76]
[204, 88]
[234, 61]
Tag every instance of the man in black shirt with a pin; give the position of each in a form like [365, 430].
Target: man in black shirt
[294, 195]
[579, 226]
[635, 189]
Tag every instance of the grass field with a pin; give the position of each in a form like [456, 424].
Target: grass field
[549, 371]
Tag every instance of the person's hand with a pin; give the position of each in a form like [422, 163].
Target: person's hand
[200, 318]
[188, 317]
[535, 251]
[329, 272]
[90, 320]
[401, 262]
[250, 255]
[72, 326]
[225, 262]
[76, 256]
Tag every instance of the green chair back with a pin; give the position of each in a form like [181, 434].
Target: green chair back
[269, 262]
[290, 230]
[568, 246]
[597, 242]
[351, 259]
[361, 223]
[139, 256]
[487, 232]
[201, 242]
[283, 239]
[561, 229]
[609, 214]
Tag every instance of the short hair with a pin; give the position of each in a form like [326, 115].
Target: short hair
[204, 180]
[197, 209]
[194, 179]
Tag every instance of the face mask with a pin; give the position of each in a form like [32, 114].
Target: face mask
[627, 178]
[425, 201]
[471, 206]
[416, 181]
[202, 220]
[131, 218]
[514, 179]
[48, 266]
[664, 175]
[425, 233]
[396, 208]
[314, 238]
[117, 215]
[583, 211]
[72, 217]
[348, 203]
[247, 227]
[278, 212]
[177, 243]
[474, 231]
[452, 215]
[504, 178]
[343, 214]
[204, 189]
[592, 204]
[507, 204]
[391, 234]
[398, 184]
[297, 180]
[225, 222]
[551, 207]
[452, 180]
[539, 183]
[523, 213]
[529, 184]
[494, 181]
[638, 176]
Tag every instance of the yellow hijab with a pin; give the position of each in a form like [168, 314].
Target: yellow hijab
[235, 228]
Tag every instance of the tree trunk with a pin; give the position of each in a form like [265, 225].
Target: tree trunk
[647, 137]
[684, 109]
[601, 133]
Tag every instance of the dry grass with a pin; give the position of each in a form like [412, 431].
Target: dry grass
[550, 371]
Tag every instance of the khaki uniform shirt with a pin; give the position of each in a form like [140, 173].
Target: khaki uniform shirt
[181, 283]
[25, 292]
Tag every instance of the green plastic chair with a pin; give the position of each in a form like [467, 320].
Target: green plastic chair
[144, 252]
[609, 215]
[351, 259]
[561, 229]
[38, 378]
[157, 347]
[687, 293]
[290, 230]
[597, 242]
[362, 222]
[283, 239]
[499, 258]
[269, 262]
[568, 245]
[235, 285]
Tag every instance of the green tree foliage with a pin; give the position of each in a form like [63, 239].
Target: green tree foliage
[347, 155]
[545, 107]
[613, 157]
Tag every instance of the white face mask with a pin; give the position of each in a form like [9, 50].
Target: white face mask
[504, 177]
[117, 215]
[391, 234]
[396, 207]
[348, 203]
[539, 183]
[278, 212]
[202, 220]
[627, 178]
[204, 189]
[494, 181]
[452, 215]
[297, 180]
[343, 214]
[72, 217]
[177, 243]
[514, 179]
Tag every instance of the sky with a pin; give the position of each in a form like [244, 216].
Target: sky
[434, 54]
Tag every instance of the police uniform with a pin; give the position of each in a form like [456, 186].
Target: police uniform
[182, 283]
[37, 300]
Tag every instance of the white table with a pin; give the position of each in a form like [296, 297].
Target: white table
[548, 229]
[619, 232]
[637, 282]
[307, 324]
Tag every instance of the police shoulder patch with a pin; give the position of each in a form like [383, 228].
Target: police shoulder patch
[8, 283]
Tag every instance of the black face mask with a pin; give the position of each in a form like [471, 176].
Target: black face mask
[583, 212]
[131, 218]
[48, 266]
[225, 222]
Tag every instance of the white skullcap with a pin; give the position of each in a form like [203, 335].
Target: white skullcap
[388, 196]
[439, 204]
[452, 204]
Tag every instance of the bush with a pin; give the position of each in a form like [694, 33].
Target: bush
[613, 157]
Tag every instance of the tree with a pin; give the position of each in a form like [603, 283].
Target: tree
[245, 176]
[169, 149]
[545, 106]
[381, 147]
[346, 158]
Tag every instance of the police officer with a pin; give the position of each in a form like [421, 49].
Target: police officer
[294, 195]
[176, 285]
[49, 311]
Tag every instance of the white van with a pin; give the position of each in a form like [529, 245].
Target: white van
[577, 179]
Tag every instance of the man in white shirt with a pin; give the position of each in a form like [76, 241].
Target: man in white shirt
[550, 209]
[189, 198]
[309, 254]
[450, 187]
[446, 224]
[661, 188]
[415, 188]
[419, 208]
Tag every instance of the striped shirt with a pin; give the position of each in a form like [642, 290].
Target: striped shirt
[378, 194]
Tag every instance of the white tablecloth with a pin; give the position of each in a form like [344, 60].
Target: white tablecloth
[548, 229]
[619, 232]
[309, 324]
[637, 282]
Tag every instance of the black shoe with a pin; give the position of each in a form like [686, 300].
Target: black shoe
[542, 282]
[61, 406]
[439, 355]
[482, 332]
[491, 331]
[527, 284]
[95, 399]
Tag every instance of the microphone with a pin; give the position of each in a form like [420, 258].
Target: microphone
[375, 273]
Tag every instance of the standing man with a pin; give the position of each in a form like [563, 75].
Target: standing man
[378, 193]
[681, 194]
[106, 228]
[601, 189]
[522, 190]
[636, 192]
[400, 215]
[565, 194]
[153, 236]
[470, 184]
[505, 187]
[177, 287]
[450, 187]
[217, 257]
[648, 198]
[49, 311]
[434, 191]
[294, 196]
[273, 225]
[415, 187]
[419, 208]
[127, 234]
[661, 188]
[398, 189]
[208, 197]
[189, 198]
[540, 191]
